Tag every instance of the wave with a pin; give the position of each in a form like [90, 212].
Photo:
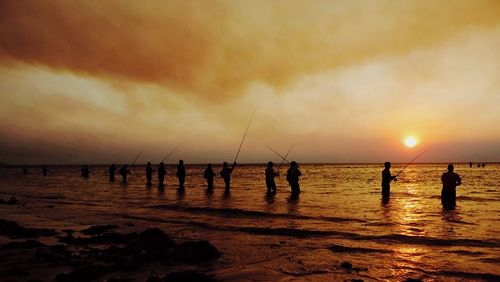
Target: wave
[465, 252]
[491, 260]
[430, 241]
[344, 249]
[228, 212]
[468, 275]
[469, 198]
[306, 233]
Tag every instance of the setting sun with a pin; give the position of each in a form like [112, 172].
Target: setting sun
[410, 141]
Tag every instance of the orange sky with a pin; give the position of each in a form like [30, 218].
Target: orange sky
[95, 81]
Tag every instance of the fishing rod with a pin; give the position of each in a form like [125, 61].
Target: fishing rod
[243, 139]
[170, 153]
[411, 162]
[137, 156]
[284, 159]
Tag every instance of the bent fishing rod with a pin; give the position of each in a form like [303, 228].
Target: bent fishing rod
[411, 162]
[243, 139]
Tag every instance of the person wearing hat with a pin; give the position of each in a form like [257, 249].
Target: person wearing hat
[270, 175]
[292, 176]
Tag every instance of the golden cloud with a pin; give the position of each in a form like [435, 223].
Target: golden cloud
[216, 48]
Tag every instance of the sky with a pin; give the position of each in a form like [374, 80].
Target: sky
[344, 81]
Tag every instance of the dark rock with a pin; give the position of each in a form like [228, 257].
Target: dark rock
[346, 265]
[51, 254]
[15, 271]
[413, 280]
[188, 276]
[29, 244]
[12, 229]
[121, 279]
[106, 238]
[195, 252]
[11, 201]
[98, 229]
[82, 273]
[154, 279]
[356, 280]
[68, 231]
[57, 248]
[110, 237]
[152, 240]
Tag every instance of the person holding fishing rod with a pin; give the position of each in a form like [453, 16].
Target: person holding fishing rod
[209, 174]
[161, 174]
[226, 171]
[124, 172]
[450, 182]
[387, 177]
[270, 175]
[181, 174]
[149, 174]
[112, 170]
[292, 176]
[386, 180]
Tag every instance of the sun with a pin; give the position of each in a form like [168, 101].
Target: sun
[410, 141]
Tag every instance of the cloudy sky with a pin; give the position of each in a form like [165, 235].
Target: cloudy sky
[345, 81]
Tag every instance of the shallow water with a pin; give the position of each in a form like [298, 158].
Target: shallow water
[338, 217]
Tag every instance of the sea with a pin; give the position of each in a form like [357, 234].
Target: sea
[338, 217]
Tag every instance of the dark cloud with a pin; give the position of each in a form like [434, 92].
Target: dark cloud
[214, 48]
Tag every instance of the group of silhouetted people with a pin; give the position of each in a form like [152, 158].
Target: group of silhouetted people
[292, 176]
[449, 179]
[478, 164]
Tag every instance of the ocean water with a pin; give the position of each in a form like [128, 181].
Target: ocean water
[339, 216]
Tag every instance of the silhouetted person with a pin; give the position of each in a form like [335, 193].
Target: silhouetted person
[483, 165]
[450, 182]
[270, 175]
[292, 176]
[149, 174]
[124, 172]
[478, 164]
[226, 172]
[112, 172]
[386, 180]
[44, 170]
[181, 174]
[25, 169]
[85, 171]
[470, 164]
[161, 174]
[209, 176]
